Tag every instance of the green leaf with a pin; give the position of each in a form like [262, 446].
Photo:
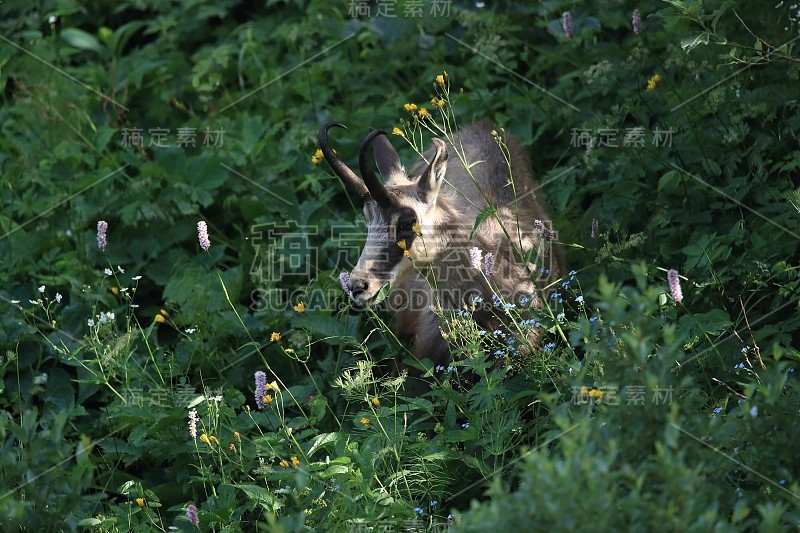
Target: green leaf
[260, 495]
[81, 40]
[321, 441]
[485, 214]
[690, 43]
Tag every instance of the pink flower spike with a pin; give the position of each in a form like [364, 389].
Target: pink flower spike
[102, 228]
[675, 285]
[202, 234]
[566, 23]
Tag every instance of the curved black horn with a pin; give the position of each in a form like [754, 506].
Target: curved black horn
[376, 188]
[343, 171]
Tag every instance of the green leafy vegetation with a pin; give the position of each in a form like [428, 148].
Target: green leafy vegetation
[156, 379]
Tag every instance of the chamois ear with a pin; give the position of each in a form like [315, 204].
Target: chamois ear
[386, 158]
[430, 181]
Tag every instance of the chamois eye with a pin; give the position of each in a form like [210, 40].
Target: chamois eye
[406, 225]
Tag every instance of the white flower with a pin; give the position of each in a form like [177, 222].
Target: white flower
[34, 302]
[41, 289]
[14, 302]
[134, 306]
[475, 256]
[107, 317]
[68, 233]
[90, 323]
[136, 278]
[190, 330]
[120, 269]
[40, 379]
[58, 297]
[108, 272]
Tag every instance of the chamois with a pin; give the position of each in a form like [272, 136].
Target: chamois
[420, 225]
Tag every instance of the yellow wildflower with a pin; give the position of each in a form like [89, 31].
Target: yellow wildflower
[406, 253]
[275, 337]
[295, 462]
[440, 79]
[140, 501]
[212, 438]
[300, 308]
[205, 439]
[584, 391]
[594, 393]
[398, 131]
[237, 436]
[376, 402]
[402, 244]
[160, 319]
[366, 421]
[417, 229]
[410, 107]
[439, 103]
[423, 112]
[653, 82]
[284, 463]
[267, 399]
[115, 290]
[164, 312]
[317, 157]
[273, 386]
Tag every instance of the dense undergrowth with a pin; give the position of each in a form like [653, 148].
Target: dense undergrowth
[674, 146]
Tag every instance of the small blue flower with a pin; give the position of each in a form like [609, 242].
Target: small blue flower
[482, 332]
[718, 409]
[549, 346]
[449, 517]
[477, 300]
[593, 319]
[560, 316]
[572, 273]
[499, 352]
[433, 502]
[496, 300]
[754, 411]
[554, 295]
[450, 368]
[419, 511]
[439, 368]
[465, 425]
[782, 482]
[524, 300]
[579, 299]
[511, 340]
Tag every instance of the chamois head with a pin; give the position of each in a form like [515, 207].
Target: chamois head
[392, 209]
